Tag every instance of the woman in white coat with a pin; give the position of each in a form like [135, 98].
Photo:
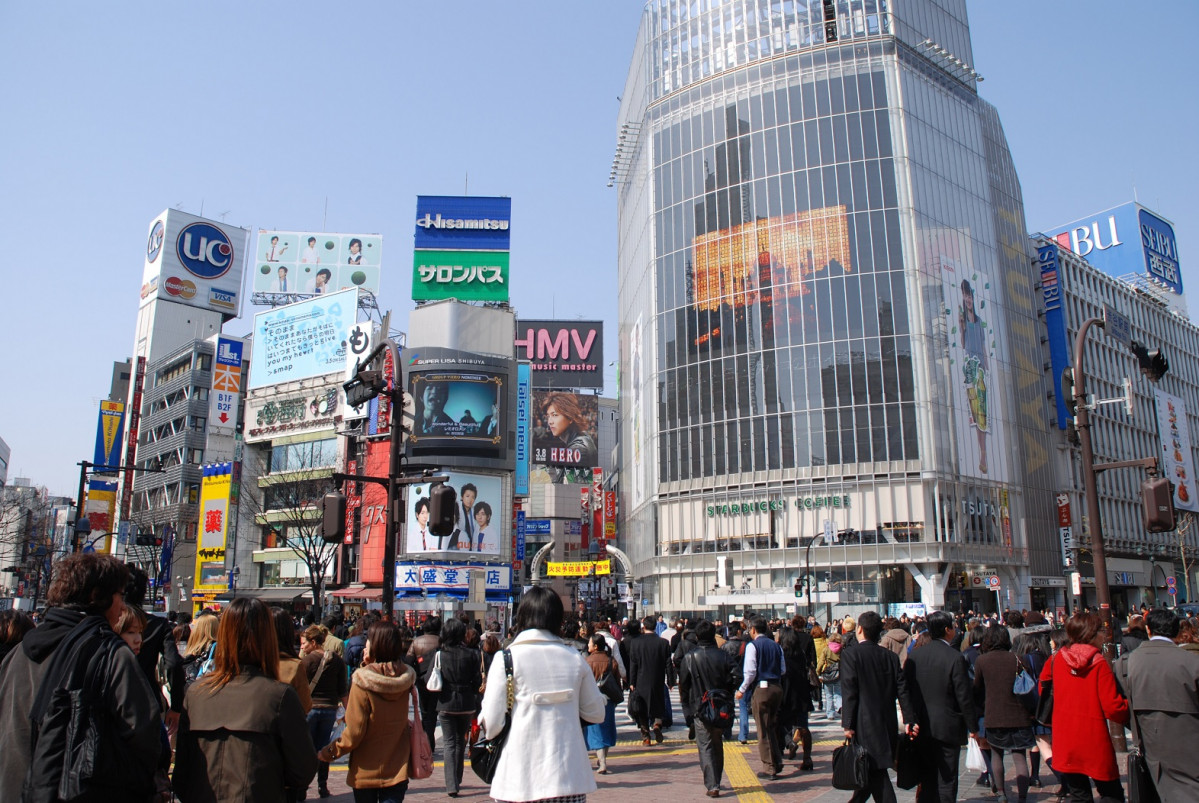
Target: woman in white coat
[546, 756]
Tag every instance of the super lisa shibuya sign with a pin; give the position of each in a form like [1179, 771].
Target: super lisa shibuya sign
[562, 354]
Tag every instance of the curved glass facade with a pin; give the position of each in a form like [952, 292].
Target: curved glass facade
[826, 311]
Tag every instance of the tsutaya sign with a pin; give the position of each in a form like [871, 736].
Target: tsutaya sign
[766, 505]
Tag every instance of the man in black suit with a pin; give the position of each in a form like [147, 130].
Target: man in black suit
[648, 658]
[938, 678]
[871, 682]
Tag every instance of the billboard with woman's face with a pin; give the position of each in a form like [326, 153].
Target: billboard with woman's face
[565, 437]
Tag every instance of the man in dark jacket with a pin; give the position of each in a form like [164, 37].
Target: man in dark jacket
[735, 647]
[420, 656]
[702, 670]
[686, 645]
[648, 657]
[90, 586]
[938, 678]
[871, 682]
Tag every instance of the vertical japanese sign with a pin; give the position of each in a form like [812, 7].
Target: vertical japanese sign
[1064, 530]
[215, 487]
[135, 417]
[609, 515]
[584, 515]
[353, 501]
[524, 401]
[597, 505]
[226, 384]
[1177, 458]
[373, 535]
[108, 435]
[1055, 324]
[520, 535]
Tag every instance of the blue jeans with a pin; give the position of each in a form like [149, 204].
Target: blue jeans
[743, 709]
[386, 794]
[320, 728]
[832, 700]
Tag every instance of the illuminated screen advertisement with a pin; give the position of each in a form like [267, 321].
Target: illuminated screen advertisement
[300, 264]
[1177, 458]
[462, 407]
[971, 317]
[302, 340]
[1126, 239]
[565, 434]
[215, 487]
[477, 521]
[194, 261]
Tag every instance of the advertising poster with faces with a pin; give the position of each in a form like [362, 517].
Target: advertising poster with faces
[565, 437]
[476, 523]
[305, 264]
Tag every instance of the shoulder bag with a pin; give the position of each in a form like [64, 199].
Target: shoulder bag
[609, 684]
[420, 754]
[831, 673]
[1141, 788]
[435, 682]
[851, 766]
[485, 753]
[320, 670]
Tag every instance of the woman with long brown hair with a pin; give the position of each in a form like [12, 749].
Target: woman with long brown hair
[376, 734]
[243, 734]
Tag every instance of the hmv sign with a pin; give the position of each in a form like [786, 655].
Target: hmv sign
[1127, 239]
[562, 354]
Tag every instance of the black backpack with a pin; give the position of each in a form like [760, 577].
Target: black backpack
[78, 752]
[716, 708]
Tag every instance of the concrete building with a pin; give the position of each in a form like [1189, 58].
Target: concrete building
[827, 315]
[1163, 416]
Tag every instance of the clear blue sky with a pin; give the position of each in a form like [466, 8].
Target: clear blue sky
[264, 111]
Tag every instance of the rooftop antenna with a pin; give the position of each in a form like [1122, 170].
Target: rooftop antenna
[325, 219]
[466, 184]
[222, 215]
[201, 207]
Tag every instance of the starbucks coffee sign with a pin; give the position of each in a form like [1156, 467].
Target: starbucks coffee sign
[768, 505]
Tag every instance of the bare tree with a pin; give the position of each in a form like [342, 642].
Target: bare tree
[1183, 534]
[289, 502]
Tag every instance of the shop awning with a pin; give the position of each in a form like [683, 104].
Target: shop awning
[282, 594]
[357, 592]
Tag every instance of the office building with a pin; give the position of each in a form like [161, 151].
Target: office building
[828, 320]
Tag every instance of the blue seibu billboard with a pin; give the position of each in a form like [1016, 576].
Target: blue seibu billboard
[1126, 239]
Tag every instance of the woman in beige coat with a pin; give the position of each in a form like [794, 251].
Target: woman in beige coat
[376, 734]
[289, 664]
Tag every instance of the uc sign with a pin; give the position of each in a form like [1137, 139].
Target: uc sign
[204, 250]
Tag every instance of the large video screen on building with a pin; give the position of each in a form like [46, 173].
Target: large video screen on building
[565, 437]
[457, 409]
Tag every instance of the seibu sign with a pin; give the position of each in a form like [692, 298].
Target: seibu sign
[562, 354]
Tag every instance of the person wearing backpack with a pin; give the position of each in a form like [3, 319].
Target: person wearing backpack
[708, 678]
[201, 645]
[95, 722]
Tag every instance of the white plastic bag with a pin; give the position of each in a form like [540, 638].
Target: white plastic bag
[974, 757]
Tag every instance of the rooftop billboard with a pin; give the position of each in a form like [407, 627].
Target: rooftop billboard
[194, 261]
[302, 340]
[562, 354]
[299, 264]
[461, 248]
[1124, 240]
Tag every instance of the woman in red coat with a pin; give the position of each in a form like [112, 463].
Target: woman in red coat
[1084, 698]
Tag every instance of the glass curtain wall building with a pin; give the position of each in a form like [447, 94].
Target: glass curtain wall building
[828, 318]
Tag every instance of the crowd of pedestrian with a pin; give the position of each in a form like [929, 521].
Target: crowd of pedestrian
[103, 701]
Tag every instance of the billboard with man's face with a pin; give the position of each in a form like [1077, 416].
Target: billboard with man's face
[297, 264]
[477, 526]
[565, 437]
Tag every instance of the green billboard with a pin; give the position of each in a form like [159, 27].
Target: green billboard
[465, 275]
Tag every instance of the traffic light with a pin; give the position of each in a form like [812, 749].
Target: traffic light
[798, 588]
[144, 537]
[1153, 363]
[362, 387]
[333, 517]
[157, 540]
[443, 503]
[1157, 504]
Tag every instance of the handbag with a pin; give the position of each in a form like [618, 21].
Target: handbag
[974, 757]
[609, 684]
[813, 678]
[832, 674]
[1044, 712]
[851, 766]
[420, 753]
[1024, 682]
[907, 763]
[485, 753]
[1140, 781]
[434, 683]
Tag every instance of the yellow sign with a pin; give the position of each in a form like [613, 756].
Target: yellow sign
[210, 572]
[578, 568]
